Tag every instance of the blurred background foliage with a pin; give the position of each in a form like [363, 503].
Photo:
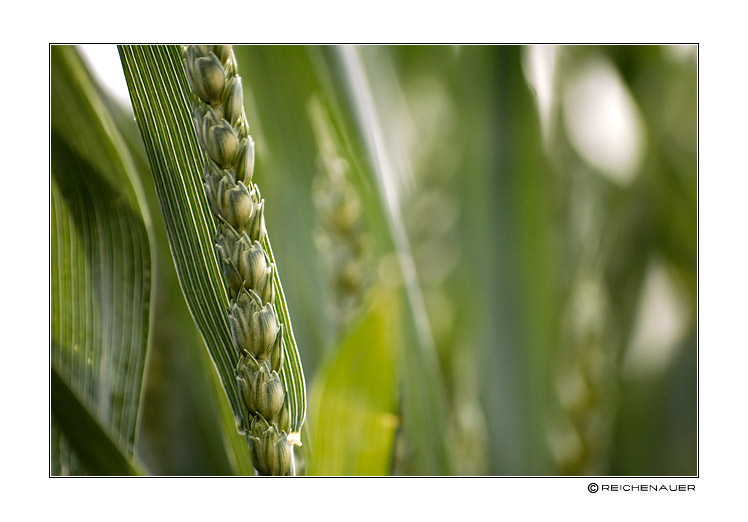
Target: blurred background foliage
[489, 255]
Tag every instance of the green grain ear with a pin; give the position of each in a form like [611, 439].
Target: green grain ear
[258, 331]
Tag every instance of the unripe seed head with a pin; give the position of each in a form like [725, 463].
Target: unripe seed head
[223, 134]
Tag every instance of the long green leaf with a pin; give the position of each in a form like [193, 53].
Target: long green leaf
[160, 98]
[100, 265]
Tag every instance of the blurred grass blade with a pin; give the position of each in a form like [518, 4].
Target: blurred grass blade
[424, 401]
[160, 97]
[354, 402]
[95, 448]
[100, 266]
[513, 275]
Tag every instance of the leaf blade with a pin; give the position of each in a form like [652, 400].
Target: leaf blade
[160, 96]
[101, 260]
